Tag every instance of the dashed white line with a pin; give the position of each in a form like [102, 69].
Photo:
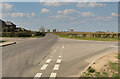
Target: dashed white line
[37, 76]
[63, 46]
[60, 56]
[44, 67]
[52, 76]
[59, 61]
[48, 60]
[56, 67]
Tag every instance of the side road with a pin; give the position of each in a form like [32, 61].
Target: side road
[11, 41]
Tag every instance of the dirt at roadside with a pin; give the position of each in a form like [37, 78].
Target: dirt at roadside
[106, 66]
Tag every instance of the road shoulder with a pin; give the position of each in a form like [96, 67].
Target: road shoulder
[106, 66]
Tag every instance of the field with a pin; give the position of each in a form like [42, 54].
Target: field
[90, 36]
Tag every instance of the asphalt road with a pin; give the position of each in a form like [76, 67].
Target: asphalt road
[52, 56]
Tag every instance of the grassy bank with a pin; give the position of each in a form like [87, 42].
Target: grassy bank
[106, 66]
[2, 41]
[87, 38]
[22, 34]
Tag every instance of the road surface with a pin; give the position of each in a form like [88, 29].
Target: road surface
[52, 56]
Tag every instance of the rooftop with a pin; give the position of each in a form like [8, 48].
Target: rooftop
[9, 23]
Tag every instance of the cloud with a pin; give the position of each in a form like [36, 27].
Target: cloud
[107, 18]
[90, 4]
[54, 4]
[44, 10]
[6, 6]
[63, 17]
[67, 11]
[79, 0]
[19, 14]
[33, 14]
[71, 14]
[87, 14]
[114, 14]
[72, 11]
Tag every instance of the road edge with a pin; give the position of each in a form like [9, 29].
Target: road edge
[84, 70]
[7, 43]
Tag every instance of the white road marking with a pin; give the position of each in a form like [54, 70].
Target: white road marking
[44, 67]
[59, 61]
[37, 76]
[56, 67]
[54, 50]
[52, 76]
[60, 56]
[113, 46]
[63, 46]
[48, 60]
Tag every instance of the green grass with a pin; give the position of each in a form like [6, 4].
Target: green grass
[97, 74]
[113, 66]
[24, 37]
[2, 41]
[115, 75]
[85, 38]
[87, 75]
[91, 70]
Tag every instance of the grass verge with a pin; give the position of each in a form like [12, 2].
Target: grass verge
[86, 38]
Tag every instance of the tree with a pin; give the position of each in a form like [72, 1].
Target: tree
[42, 29]
[20, 29]
[5, 29]
[48, 30]
[54, 30]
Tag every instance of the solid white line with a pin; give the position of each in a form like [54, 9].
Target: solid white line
[44, 67]
[48, 60]
[52, 76]
[113, 46]
[59, 61]
[63, 46]
[56, 67]
[37, 76]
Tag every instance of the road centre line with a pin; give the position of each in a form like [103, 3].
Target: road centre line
[37, 76]
[63, 46]
[44, 67]
[60, 56]
[59, 61]
[54, 50]
[52, 76]
[56, 67]
[48, 60]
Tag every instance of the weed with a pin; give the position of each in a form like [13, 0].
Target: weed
[113, 66]
[115, 75]
[91, 70]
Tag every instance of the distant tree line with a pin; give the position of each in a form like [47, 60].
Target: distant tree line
[42, 29]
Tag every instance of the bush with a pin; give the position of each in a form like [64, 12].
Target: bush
[22, 34]
[91, 70]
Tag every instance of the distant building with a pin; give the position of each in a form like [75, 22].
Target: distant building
[71, 30]
[8, 24]
[2, 23]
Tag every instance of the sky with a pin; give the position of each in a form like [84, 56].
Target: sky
[80, 16]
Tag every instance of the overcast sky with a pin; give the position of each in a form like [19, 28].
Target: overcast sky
[88, 17]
